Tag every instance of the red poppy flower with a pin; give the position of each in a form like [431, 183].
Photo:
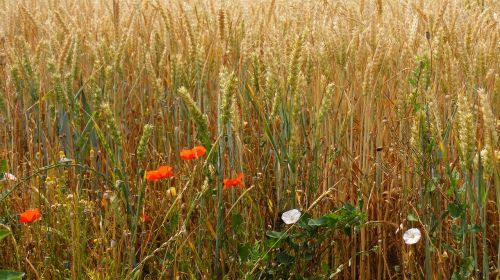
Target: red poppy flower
[238, 181]
[195, 152]
[152, 176]
[187, 155]
[145, 218]
[30, 215]
[199, 151]
[161, 173]
[165, 172]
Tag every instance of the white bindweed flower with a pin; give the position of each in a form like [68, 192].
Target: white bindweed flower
[9, 176]
[291, 216]
[412, 236]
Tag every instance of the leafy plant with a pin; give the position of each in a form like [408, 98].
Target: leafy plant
[4, 233]
[11, 275]
[6, 274]
[4, 167]
[302, 244]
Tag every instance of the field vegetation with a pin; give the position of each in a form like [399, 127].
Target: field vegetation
[266, 139]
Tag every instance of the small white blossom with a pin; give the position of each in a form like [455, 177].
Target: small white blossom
[291, 216]
[65, 160]
[412, 236]
[9, 176]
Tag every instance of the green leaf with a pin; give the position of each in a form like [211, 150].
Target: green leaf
[168, 256]
[172, 224]
[454, 177]
[462, 189]
[4, 166]
[244, 252]
[411, 217]
[276, 234]
[456, 209]
[257, 253]
[276, 239]
[308, 256]
[456, 232]
[325, 267]
[11, 275]
[285, 258]
[317, 222]
[330, 220]
[474, 228]
[465, 270]
[466, 267]
[236, 221]
[303, 222]
[450, 191]
[349, 207]
[448, 248]
[4, 233]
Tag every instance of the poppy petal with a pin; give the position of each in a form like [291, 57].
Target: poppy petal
[199, 151]
[238, 181]
[187, 155]
[152, 176]
[145, 218]
[30, 216]
[165, 172]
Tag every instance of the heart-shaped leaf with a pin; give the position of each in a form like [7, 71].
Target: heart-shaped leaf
[4, 166]
[456, 209]
[412, 218]
[4, 233]
[285, 258]
[11, 275]
[276, 234]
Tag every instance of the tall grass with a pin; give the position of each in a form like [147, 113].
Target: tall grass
[392, 108]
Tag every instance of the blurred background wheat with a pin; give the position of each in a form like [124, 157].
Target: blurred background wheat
[389, 106]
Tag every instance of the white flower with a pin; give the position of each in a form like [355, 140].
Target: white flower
[412, 236]
[9, 176]
[291, 216]
[65, 160]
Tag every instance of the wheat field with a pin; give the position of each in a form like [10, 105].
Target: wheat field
[265, 139]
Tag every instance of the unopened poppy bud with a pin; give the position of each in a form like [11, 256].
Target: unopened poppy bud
[172, 191]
